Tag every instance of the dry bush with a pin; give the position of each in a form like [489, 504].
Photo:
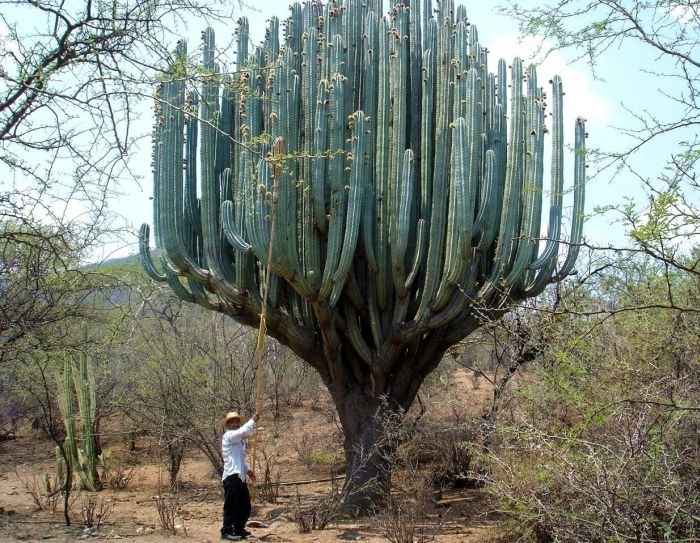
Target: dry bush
[444, 447]
[184, 370]
[451, 450]
[115, 473]
[168, 507]
[94, 512]
[269, 489]
[304, 447]
[45, 492]
[318, 514]
[403, 522]
[605, 440]
[633, 476]
[414, 457]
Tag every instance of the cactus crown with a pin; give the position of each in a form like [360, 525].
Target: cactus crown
[409, 178]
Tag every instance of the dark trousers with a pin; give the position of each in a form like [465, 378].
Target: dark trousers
[236, 505]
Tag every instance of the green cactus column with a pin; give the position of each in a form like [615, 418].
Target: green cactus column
[77, 382]
[410, 193]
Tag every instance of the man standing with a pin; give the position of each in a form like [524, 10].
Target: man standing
[236, 472]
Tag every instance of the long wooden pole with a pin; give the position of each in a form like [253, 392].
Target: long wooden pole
[278, 149]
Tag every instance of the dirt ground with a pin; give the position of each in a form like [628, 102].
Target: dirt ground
[452, 516]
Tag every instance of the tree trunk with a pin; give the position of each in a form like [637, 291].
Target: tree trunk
[369, 401]
[176, 451]
[67, 487]
[364, 418]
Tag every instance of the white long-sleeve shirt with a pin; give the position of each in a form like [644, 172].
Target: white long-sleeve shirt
[233, 450]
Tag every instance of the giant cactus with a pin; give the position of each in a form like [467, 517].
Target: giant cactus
[404, 181]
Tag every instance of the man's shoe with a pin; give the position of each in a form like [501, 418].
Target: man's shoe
[230, 537]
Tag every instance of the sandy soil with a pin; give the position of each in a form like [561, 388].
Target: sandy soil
[134, 514]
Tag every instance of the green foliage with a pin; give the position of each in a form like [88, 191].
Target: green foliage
[659, 223]
[40, 282]
[603, 444]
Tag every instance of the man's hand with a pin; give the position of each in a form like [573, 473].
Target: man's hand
[256, 417]
[251, 475]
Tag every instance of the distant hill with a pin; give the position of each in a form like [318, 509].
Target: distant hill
[125, 260]
[124, 273]
[123, 266]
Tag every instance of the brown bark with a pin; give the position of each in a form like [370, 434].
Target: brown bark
[367, 452]
[364, 411]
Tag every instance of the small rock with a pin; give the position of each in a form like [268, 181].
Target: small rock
[256, 524]
[350, 536]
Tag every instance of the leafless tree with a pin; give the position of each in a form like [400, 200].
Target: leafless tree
[40, 283]
[662, 39]
[73, 79]
[183, 370]
[72, 76]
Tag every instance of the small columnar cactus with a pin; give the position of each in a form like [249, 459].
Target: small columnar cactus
[403, 181]
[77, 377]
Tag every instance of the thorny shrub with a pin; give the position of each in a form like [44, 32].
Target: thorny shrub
[633, 476]
[403, 522]
[94, 512]
[168, 507]
[45, 492]
[115, 473]
[604, 444]
[319, 513]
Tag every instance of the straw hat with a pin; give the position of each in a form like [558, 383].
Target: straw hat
[232, 415]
